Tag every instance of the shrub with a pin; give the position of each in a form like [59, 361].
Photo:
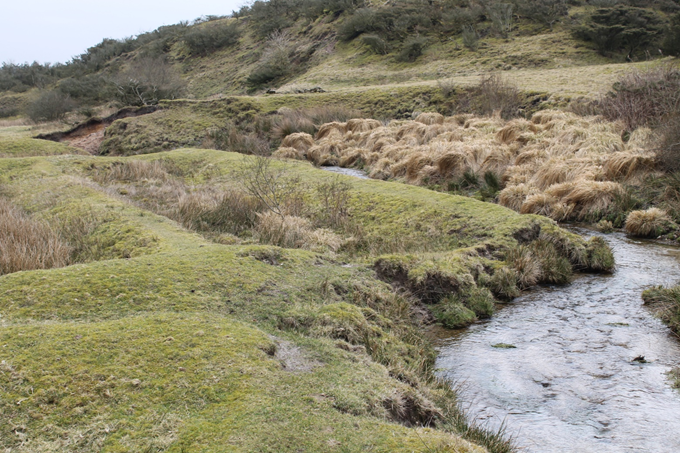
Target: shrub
[671, 42]
[333, 199]
[208, 38]
[147, 81]
[546, 12]
[364, 20]
[376, 44]
[50, 106]
[412, 48]
[275, 62]
[668, 152]
[27, 243]
[91, 88]
[621, 28]
[470, 37]
[456, 19]
[495, 95]
[644, 98]
[501, 17]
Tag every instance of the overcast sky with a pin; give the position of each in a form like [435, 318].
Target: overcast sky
[54, 31]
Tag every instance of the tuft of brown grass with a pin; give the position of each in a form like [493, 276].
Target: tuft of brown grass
[526, 266]
[301, 141]
[27, 243]
[358, 125]
[650, 223]
[328, 129]
[294, 232]
[430, 118]
[288, 153]
[540, 203]
[621, 166]
[133, 170]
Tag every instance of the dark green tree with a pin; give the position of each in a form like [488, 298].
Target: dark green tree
[621, 28]
[671, 42]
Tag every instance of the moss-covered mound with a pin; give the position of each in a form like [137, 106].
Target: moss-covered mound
[163, 338]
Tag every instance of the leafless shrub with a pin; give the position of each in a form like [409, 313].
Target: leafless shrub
[278, 192]
[668, 151]
[644, 98]
[334, 203]
[501, 17]
[27, 243]
[148, 80]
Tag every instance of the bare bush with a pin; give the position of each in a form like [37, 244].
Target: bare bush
[644, 98]
[494, 95]
[501, 17]
[27, 243]
[668, 151]
[334, 198]
[50, 106]
[147, 81]
[273, 187]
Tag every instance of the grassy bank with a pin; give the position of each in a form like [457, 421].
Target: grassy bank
[665, 304]
[169, 333]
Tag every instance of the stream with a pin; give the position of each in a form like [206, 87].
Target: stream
[571, 384]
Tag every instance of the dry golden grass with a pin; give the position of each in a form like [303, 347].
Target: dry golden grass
[650, 223]
[301, 141]
[557, 163]
[133, 170]
[27, 243]
[294, 232]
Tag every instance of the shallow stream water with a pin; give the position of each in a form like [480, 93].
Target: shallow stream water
[571, 384]
[347, 171]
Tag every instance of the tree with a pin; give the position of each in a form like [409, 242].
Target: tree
[621, 28]
[671, 42]
[546, 12]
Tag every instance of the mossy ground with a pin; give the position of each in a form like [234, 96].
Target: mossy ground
[164, 341]
[26, 147]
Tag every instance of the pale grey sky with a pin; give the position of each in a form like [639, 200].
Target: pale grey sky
[56, 30]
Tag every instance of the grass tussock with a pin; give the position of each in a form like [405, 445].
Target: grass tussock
[556, 164]
[27, 243]
[652, 222]
[665, 302]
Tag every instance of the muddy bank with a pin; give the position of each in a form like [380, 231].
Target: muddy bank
[89, 135]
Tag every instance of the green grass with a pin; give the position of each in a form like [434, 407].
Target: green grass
[164, 341]
[26, 147]
[167, 347]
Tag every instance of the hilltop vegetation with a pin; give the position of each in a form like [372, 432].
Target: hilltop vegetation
[343, 43]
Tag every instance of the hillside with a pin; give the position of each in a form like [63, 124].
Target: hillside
[179, 273]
